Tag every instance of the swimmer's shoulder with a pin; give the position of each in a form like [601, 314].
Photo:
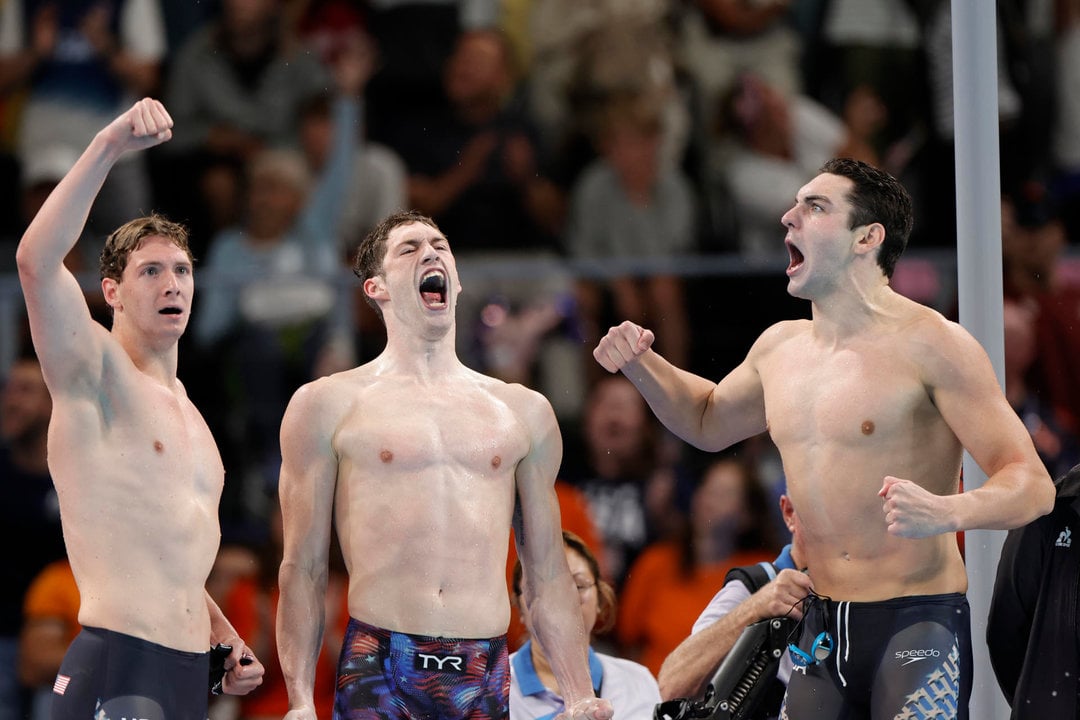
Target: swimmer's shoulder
[518, 397]
[778, 334]
[333, 395]
[937, 344]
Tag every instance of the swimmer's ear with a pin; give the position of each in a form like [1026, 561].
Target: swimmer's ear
[869, 237]
[109, 290]
[374, 288]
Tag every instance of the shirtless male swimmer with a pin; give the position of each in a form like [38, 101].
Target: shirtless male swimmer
[137, 473]
[423, 464]
[870, 403]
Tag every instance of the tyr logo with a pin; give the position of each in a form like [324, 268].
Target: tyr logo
[440, 663]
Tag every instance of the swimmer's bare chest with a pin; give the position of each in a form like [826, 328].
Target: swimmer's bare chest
[856, 399]
[468, 434]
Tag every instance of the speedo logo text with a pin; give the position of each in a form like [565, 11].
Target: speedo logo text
[906, 657]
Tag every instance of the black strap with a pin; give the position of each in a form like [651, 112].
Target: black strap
[754, 577]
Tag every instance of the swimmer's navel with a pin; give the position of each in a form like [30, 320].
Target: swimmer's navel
[386, 456]
[496, 462]
[868, 427]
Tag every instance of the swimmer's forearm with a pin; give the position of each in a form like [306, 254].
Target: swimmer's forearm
[1011, 498]
[679, 399]
[300, 620]
[557, 622]
[221, 630]
[58, 224]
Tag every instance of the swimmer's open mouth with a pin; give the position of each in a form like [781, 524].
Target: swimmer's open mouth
[795, 257]
[170, 311]
[433, 289]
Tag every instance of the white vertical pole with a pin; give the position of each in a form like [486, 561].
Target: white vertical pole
[979, 284]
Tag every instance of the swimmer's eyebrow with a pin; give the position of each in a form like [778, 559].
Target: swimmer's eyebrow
[414, 241]
[822, 199]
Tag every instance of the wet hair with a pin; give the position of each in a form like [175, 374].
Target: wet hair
[877, 197]
[372, 250]
[129, 237]
[605, 619]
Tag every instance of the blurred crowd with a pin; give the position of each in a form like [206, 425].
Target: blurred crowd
[580, 155]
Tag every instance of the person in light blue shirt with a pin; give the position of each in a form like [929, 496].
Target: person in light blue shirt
[534, 694]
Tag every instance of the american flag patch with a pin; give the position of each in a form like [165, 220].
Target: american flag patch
[61, 684]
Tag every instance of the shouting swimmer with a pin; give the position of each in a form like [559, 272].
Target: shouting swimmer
[870, 403]
[423, 464]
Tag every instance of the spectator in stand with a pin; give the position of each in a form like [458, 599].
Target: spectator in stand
[415, 38]
[728, 524]
[36, 180]
[476, 170]
[50, 623]
[327, 27]
[378, 184]
[1059, 450]
[629, 206]
[534, 690]
[586, 54]
[235, 87]
[722, 39]
[622, 463]
[877, 44]
[770, 141]
[1066, 144]
[273, 312]
[1033, 243]
[29, 514]
[80, 63]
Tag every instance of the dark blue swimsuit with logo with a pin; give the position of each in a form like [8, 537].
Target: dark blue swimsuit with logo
[107, 675]
[907, 658]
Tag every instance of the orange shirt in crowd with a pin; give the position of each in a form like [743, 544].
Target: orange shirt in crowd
[53, 595]
[252, 611]
[658, 606]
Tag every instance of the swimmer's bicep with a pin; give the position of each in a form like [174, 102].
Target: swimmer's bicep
[308, 472]
[736, 407]
[536, 507]
[963, 387]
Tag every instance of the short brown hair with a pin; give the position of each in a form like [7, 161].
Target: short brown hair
[129, 237]
[372, 250]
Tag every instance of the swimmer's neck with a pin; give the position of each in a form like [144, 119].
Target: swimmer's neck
[156, 363]
[425, 360]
